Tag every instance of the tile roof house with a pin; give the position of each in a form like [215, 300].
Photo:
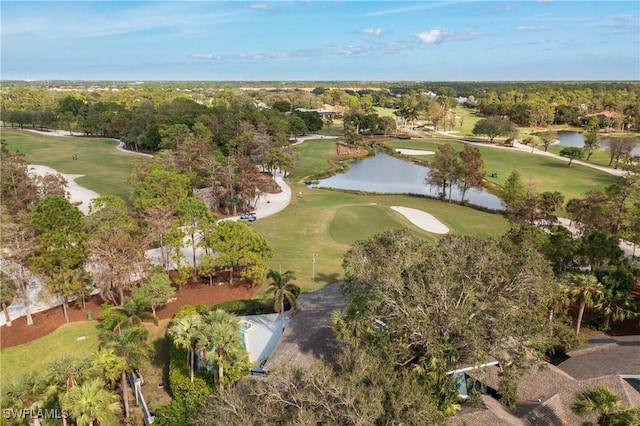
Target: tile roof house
[546, 393]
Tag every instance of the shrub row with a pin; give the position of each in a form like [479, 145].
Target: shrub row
[180, 380]
[249, 307]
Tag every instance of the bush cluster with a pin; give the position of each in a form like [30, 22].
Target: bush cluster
[249, 307]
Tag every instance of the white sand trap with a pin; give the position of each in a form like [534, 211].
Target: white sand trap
[414, 152]
[422, 220]
[80, 196]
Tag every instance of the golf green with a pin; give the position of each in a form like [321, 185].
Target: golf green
[353, 223]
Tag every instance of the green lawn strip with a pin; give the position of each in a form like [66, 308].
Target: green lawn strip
[385, 112]
[311, 222]
[35, 355]
[600, 157]
[106, 170]
[469, 118]
[314, 156]
[153, 367]
[548, 174]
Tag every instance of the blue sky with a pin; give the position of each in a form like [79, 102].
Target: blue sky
[321, 40]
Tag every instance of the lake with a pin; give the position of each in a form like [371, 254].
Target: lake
[386, 174]
[577, 139]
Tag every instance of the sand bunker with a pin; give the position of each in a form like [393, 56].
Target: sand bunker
[414, 152]
[422, 220]
[80, 196]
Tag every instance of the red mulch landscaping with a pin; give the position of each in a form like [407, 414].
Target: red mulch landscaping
[46, 322]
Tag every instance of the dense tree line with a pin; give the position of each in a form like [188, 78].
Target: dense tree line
[595, 273]
[136, 113]
[74, 254]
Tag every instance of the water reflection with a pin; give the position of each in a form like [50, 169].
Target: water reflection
[577, 139]
[389, 175]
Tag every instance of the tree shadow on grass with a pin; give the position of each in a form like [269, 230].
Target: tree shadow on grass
[159, 356]
[326, 279]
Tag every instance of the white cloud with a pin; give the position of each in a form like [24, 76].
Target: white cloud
[533, 29]
[434, 36]
[260, 6]
[410, 9]
[373, 31]
[441, 35]
[207, 56]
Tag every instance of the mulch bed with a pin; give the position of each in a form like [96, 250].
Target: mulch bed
[46, 322]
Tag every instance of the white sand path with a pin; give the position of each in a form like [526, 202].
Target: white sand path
[79, 195]
[422, 220]
[414, 152]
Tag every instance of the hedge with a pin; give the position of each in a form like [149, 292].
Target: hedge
[190, 394]
[251, 306]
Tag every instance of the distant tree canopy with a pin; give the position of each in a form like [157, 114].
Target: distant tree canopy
[493, 127]
[311, 119]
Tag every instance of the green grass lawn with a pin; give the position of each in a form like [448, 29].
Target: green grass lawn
[353, 223]
[599, 157]
[547, 173]
[385, 112]
[326, 222]
[35, 355]
[313, 156]
[106, 170]
[153, 368]
[468, 118]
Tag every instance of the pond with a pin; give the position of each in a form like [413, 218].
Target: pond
[386, 174]
[577, 139]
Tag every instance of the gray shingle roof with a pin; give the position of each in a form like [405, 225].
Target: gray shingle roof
[309, 335]
[604, 355]
[545, 395]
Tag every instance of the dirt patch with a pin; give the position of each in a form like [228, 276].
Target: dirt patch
[194, 293]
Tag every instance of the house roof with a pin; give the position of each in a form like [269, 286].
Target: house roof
[604, 355]
[607, 114]
[546, 393]
[491, 412]
[309, 336]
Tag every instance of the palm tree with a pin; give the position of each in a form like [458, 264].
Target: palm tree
[61, 375]
[89, 402]
[25, 391]
[220, 316]
[283, 290]
[183, 331]
[628, 417]
[135, 313]
[347, 328]
[601, 400]
[617, 306]
[108, 365]
[585, 290]
[130, 344]
[220, 343]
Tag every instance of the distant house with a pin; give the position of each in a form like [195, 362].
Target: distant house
[327, 111]
[606, 118]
